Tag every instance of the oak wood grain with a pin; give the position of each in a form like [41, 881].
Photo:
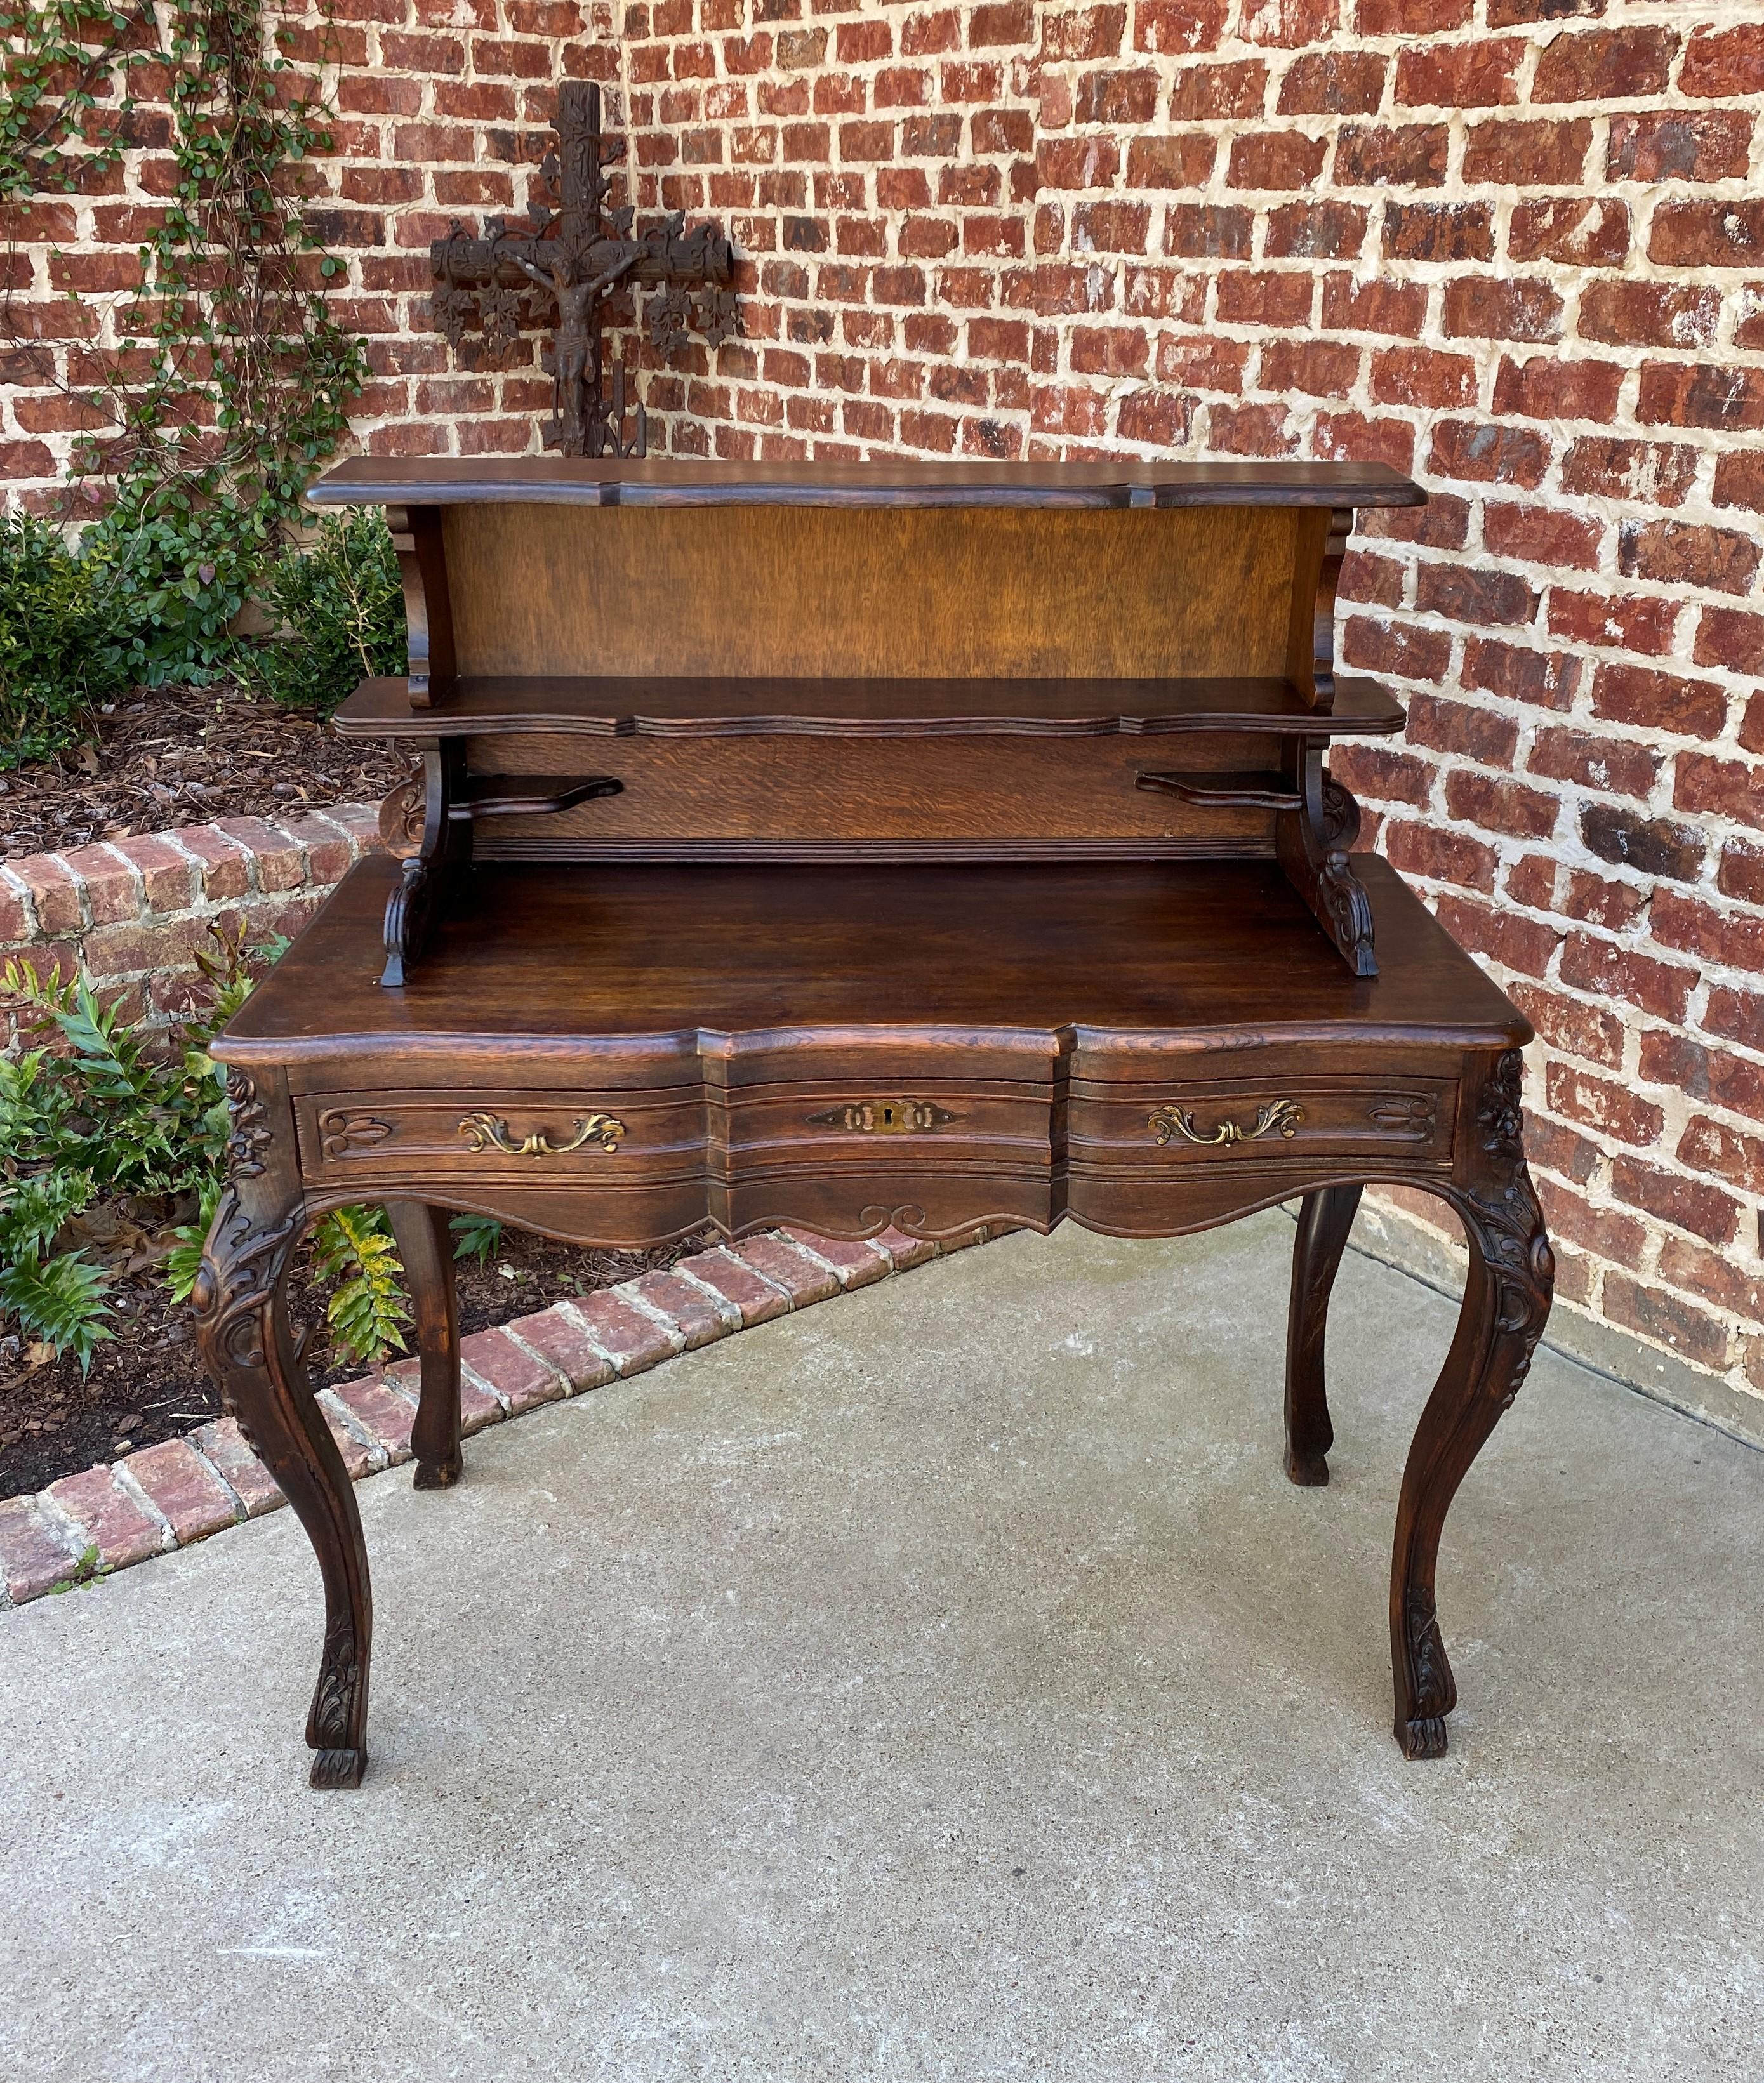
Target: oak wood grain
[876, 798]
[643, 971]
[896, 594]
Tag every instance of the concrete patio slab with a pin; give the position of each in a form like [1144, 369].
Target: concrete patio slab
[943, 1683]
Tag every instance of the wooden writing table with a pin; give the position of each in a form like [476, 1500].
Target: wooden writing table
[624, 1032]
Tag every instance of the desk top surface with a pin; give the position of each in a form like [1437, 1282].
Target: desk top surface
[545, 961]
[887, 481]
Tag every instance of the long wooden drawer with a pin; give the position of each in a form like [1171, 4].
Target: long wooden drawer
[539, 1138]
[937, 1124]
[1257, 1122]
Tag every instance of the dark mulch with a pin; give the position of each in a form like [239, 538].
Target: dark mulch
[146, 1384]
[182, 756]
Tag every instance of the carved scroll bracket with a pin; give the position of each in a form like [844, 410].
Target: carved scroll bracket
[1313, 844]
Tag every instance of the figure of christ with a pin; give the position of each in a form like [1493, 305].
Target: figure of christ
[573, 347]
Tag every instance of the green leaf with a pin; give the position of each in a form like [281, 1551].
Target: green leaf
[59, 1301]
[477, 1237]
[367, 1312]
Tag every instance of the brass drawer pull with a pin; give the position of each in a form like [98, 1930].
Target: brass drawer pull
[883, 1118]
[484, 1131]
[1279, 1117]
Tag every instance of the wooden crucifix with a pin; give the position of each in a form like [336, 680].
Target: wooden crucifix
[571, 263]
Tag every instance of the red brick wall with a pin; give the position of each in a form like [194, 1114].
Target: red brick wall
[1514, 245]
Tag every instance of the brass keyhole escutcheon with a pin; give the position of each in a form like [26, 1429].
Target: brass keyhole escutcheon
[898, 1117]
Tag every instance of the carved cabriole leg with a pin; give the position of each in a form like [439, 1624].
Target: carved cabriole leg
[426, 1245]
[244, 1334]
[1324, 1220]
[1506, 1302]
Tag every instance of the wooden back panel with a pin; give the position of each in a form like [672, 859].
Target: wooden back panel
[780, 798]
[914, 593]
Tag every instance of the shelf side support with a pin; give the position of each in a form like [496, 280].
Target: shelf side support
[1310, 646]
[422, 566]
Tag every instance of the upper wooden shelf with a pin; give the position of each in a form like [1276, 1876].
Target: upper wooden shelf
[691, 708]
[888, 481]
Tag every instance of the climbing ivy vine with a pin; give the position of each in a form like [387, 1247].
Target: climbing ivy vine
[225, 383]
[62, 58]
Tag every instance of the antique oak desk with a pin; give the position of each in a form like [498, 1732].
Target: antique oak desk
[856, 847]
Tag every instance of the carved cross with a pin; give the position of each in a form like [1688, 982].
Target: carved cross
[568, 266]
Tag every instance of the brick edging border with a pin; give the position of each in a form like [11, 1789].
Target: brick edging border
[131, 914]
[161, 1498]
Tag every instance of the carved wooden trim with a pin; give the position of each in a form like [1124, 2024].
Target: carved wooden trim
[1410, 1115]
[341, 1133]
[333, 1726]
[249, 1133]
[1503, 1209]
[402, 813]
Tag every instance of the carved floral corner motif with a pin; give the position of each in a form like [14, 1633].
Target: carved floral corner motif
[1504, 1206]
[250, 1132]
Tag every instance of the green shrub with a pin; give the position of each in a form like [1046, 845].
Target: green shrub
[58, 1297]
[113, 1114]
[62, 641]
[179, 573]
[341, 612]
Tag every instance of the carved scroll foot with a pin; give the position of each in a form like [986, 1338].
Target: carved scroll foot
[1325, 1218]
[333, 1768]
[1506, 1303]
[1420, 1730]
[245, 1339]
[426, 1245]
[336, 1725]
